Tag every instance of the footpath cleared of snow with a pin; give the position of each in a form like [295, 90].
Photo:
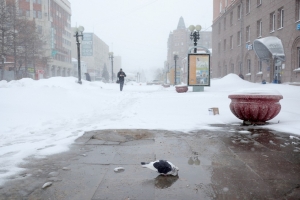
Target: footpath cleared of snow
[40, 118]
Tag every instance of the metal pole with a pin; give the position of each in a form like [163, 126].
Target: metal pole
[175, 70]
[112, 68]
[195, 42]
[78, 54]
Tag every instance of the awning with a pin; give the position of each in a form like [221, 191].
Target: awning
[269, 47]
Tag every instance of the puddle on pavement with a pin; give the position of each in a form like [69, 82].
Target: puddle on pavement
[254, 135]
[163, 182]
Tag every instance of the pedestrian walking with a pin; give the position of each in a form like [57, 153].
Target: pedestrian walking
[121, 76]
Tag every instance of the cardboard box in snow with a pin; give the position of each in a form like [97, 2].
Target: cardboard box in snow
[213, 111]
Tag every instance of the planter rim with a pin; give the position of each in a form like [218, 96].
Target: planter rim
[255, 96]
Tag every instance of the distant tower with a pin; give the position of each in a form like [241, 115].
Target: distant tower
[181, 24]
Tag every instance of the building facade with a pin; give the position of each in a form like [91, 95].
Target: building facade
[179, 41]
[239, 25]
[53, 21]
[94, 52]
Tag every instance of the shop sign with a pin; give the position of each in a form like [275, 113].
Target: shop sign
[87, 44]
[30, 69]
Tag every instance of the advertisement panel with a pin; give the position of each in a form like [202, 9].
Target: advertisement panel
[198, 69]
[87, 44]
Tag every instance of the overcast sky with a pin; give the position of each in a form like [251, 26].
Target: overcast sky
[138, 30]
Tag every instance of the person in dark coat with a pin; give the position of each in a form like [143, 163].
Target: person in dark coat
[121, 76]
[87, 76]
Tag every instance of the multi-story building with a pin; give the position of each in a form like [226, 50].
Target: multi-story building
[179, 41]
[53, 21]
[248, 33]
[95, 54]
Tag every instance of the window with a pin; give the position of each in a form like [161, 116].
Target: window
[27, 13]
[231, 18]
[280, 18]
[298, 10]
[225, 70]
[249, 65]
[232, 68]
[248, 34]
[34, 14]
[219, 27]
[219, 47]
[258, 3]
[231, 42]
[224, 23]
[27, 0]
[241, 68]
[259, 64]
[39, 14]
[39, 29]
[239, 11]
[272, 22]
[259, 28]
[221, 7]
[248, 6]
[225, 45]
[239, 38]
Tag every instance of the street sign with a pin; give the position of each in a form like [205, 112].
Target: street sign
[298, 27]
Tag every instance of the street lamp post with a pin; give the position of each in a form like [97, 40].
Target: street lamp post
[195, 35]
[175, 59]
[79, 33]
[111, 56]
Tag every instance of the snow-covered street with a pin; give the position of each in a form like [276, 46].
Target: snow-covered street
[40, 118]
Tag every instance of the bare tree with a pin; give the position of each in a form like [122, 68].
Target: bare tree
[5, 35]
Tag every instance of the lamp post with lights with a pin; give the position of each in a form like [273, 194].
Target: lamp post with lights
[195, 35]
[175, 53]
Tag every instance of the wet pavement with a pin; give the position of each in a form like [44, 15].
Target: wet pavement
[235, 162]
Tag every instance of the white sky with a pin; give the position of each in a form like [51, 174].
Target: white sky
[138, 30]
[40, 118]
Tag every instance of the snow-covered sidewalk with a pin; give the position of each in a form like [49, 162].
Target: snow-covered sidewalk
[40, 118]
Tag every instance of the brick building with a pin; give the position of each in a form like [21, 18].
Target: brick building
[53, 20]
[238, 25]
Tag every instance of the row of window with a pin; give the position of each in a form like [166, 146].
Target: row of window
[27, 13]
[35, 1]
[280, 16]
[241, 71]
[259, 29]
[259, 65]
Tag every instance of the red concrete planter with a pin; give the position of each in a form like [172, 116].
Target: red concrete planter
[181, 88]
[255, 108]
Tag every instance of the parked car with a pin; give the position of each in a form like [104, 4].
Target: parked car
[155, 82]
